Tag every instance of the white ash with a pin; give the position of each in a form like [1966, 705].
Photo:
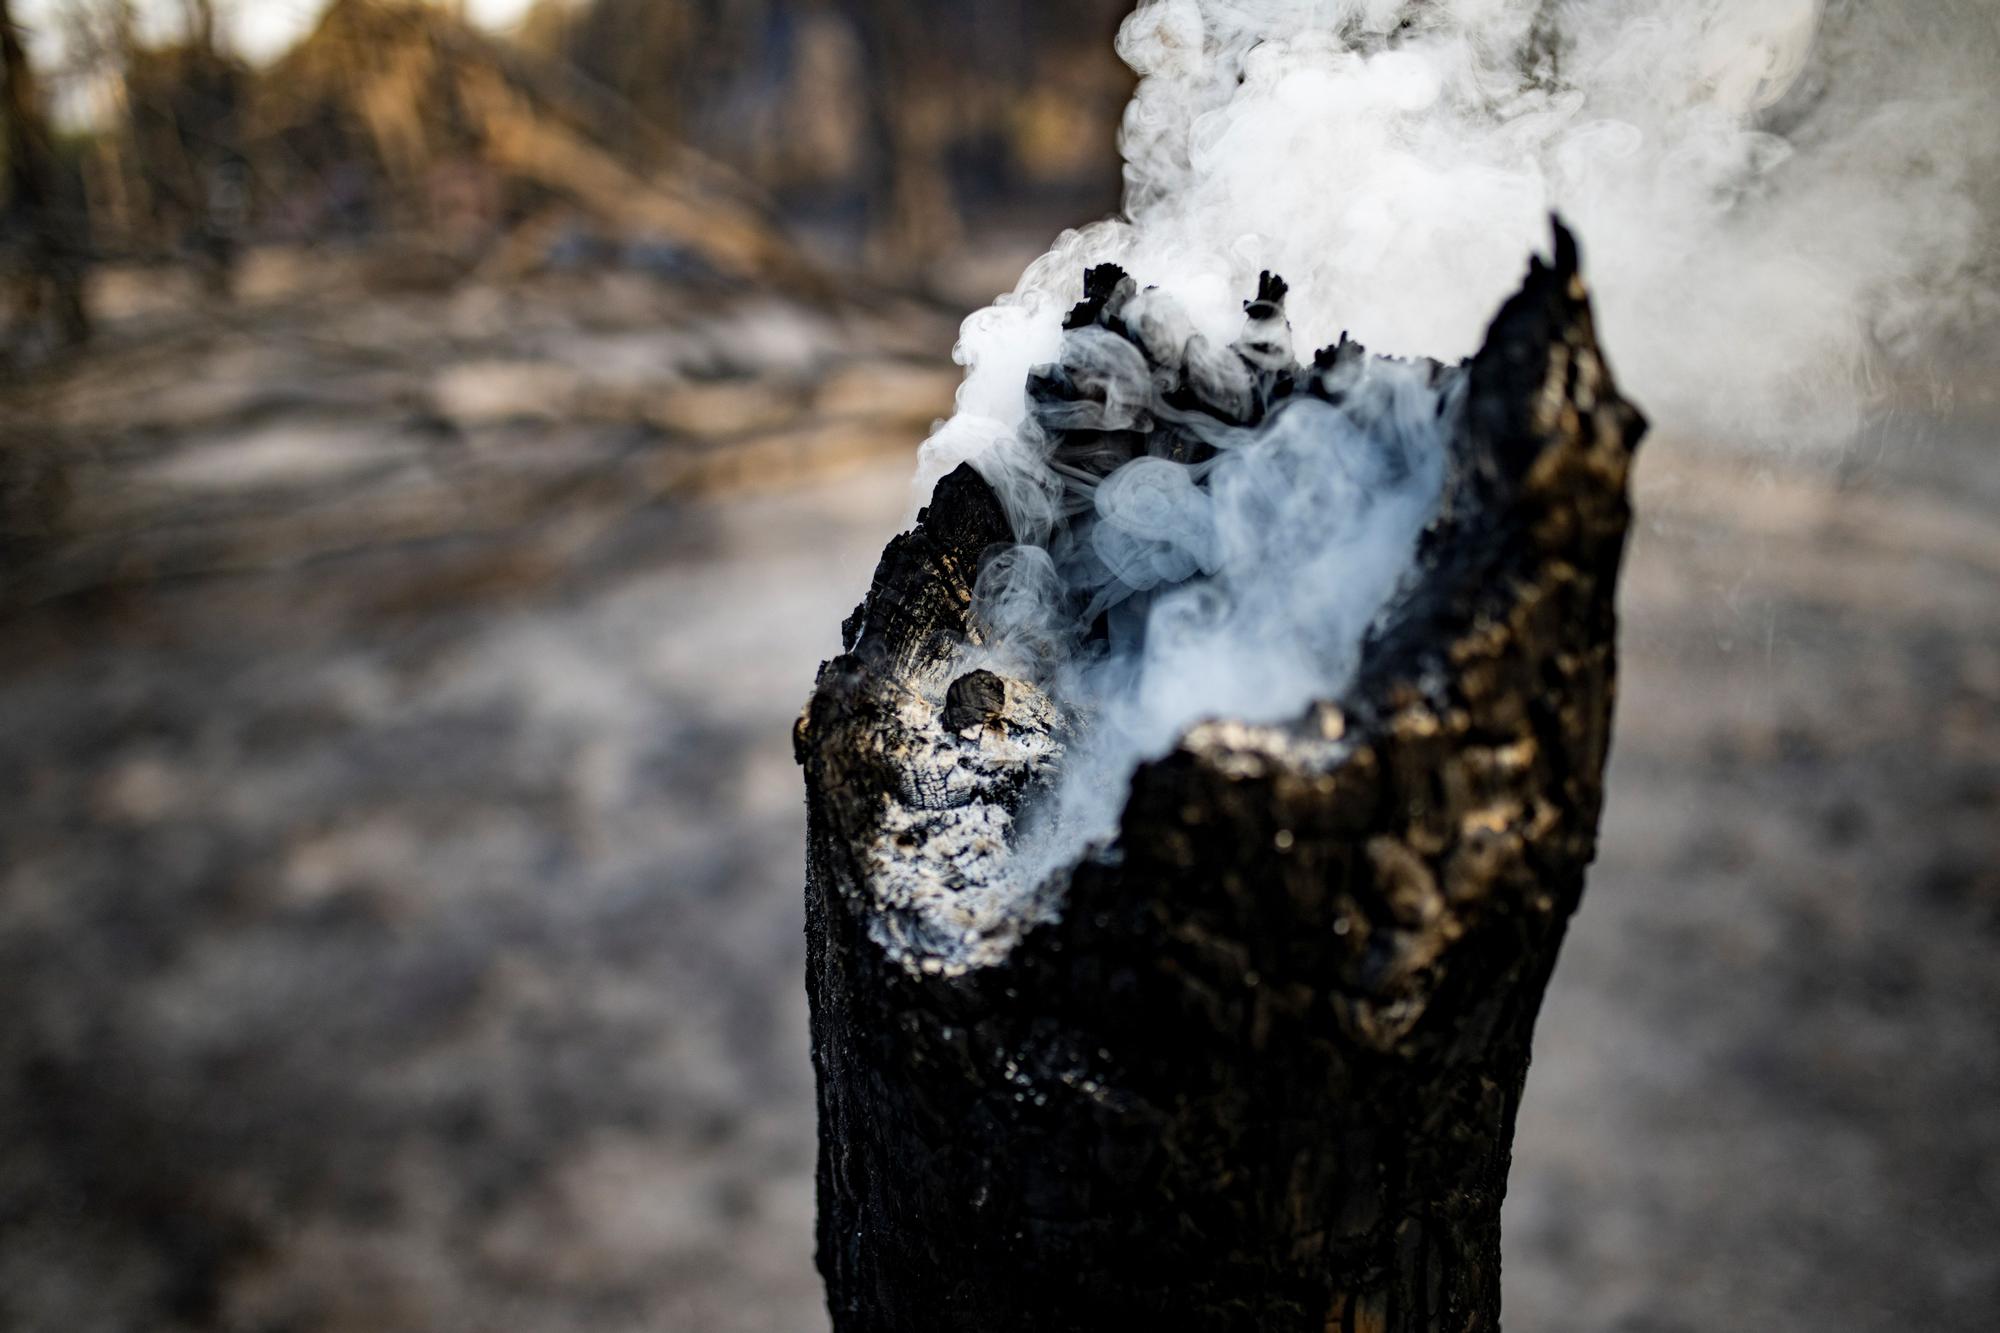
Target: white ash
[938, 858]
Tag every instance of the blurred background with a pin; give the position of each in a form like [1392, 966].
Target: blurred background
[437, 444]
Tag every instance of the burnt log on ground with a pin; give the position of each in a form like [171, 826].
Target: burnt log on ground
[1256, 1063]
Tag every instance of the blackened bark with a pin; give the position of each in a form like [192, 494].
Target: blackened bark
[1256, 1066]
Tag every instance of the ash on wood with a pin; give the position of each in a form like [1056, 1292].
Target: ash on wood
[1256, 1064]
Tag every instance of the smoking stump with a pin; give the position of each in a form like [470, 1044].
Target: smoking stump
[1198, 802]
[1252, 1059]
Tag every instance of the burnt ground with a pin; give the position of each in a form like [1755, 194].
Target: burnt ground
[400, 904]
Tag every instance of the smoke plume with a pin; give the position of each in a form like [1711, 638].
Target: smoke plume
[1773, 198]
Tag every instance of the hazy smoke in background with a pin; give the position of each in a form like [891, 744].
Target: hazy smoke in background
[1765, 208]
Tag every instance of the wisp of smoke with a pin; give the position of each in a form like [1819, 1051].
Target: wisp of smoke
[1764, 210]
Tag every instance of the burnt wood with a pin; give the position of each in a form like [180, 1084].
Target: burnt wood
[1256, 1064]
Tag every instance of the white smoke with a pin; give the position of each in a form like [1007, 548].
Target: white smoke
[1770, 199]
[1209, 530]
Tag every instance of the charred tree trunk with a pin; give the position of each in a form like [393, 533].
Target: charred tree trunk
[1256, 1065]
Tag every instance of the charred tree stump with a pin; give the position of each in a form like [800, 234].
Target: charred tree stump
[1255, 1065]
